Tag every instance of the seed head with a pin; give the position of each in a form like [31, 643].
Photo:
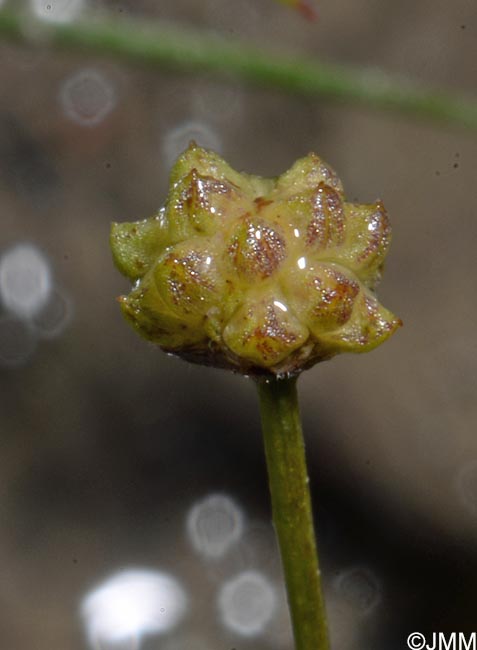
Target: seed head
[263, 276]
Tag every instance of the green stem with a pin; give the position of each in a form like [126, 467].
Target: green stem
[189, 50]
[291, 506]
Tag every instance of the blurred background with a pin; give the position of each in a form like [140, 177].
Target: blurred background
[127, 476]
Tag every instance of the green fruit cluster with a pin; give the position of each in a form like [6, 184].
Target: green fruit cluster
[258, 275]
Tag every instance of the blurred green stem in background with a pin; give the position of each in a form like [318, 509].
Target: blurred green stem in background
[188, 50]
[291, 507]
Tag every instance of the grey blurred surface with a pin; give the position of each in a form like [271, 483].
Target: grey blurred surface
[105, 442]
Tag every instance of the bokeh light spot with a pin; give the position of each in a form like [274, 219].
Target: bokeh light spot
[87, 97]
[177, 140]
[214, 524]
[360, 588]
[247, 603]
[57, 11]
[130, 604]
[51, 320]
[25, 280]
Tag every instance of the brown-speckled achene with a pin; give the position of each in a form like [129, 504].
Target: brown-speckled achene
[258, 275]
